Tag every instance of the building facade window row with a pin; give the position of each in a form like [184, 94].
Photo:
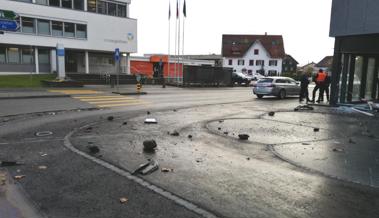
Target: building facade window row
[54, 28]
[23, 55]
[98, 6]
[241, 62]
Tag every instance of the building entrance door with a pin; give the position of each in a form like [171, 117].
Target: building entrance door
[71, 62]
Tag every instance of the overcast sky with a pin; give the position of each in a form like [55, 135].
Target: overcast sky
[304, 25]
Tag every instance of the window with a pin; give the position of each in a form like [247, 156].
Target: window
[260, 63]
[230, 62]
[272, 72]
[280, 80]
[273, 63]
[44, 56]
[101, 7]
[57, 28]
[42, 2]
[2, 55]
[69, 29]
[81, 31]
[28, 25]
[251, 62]
[112, 9]
[27, 56]
[256, 51]
[66, 3]
[13, 55]
[241, 62]
[250, 72]
[91, 5]
[43, 27]
[121, 10]
[54, 3]
[79, 4]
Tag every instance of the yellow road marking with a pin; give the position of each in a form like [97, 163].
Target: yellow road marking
[100, 96]
[105, 99]
[119, 105]
[113, 101]
[74, 91]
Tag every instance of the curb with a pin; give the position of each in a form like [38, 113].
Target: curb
[35, 96]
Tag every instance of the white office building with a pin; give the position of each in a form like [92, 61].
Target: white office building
[89, 31]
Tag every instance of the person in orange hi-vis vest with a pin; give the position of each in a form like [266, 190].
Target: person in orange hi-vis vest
[319, 80]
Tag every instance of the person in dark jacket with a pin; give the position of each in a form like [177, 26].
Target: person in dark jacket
[304, 82]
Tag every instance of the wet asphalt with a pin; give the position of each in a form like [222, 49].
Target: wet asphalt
[285, 169]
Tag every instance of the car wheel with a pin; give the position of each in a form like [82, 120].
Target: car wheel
[260, 96]
[282, 94]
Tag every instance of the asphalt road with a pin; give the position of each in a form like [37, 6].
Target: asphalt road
[214, 174]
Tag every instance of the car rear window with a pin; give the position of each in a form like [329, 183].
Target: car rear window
[265, 80]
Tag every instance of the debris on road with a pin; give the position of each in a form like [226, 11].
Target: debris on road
[351, 141]
[140, 167]
[175, 133]
[125, 123]
[42, 167]
[199, 160]
[93, 149]
[219, 128]
[43, 133]
[9, 163]
[124, 200]
[153, 166]
[243, 136]
[304, 143]
[175, 110]
[303, 108]
[148, 112]
[167, 170]
[316, 129]
[248, 158]
[271, 113]
[110, 118]
[226, 133]
[151, 121]
[149, 145]
[190, 136]
[338, 150]
[220, 121]
[19, 177]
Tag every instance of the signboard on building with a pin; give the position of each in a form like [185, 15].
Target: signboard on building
[8, 15]
[117, 54]
[8, 21]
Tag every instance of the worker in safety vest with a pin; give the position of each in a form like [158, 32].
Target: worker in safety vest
[319, 80]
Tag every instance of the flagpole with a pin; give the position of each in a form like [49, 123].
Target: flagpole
[177, 78]
[184, 19]
[176, 38]
[169, 42]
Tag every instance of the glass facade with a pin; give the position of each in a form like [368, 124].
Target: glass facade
[3, 55]
[81, 31]
[27, 56]
[356, 78]
[27, 25]
[69, 30]
[57, 28]
[13, 55]
[44, 56]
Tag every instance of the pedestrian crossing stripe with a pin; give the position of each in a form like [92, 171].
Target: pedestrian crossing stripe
[75, 91]
[110, 101]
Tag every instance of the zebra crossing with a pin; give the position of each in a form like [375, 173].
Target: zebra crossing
[100, 99]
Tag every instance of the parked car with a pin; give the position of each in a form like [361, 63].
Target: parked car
[241, 78]
[276, 86]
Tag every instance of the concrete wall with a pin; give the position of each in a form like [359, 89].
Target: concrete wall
[104, 33]
[354, 17]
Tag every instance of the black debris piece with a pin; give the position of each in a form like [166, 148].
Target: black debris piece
[243, 136]
[125, 123]
[271, 113]
[190, 136]
[226, 133]
[338, 150]
[140, 167]
[175, 110]
[316, 129]
[351, 141]
[175, 133]
[110, 118]
[303, 108]
[149, 145]
[219, 128]
[9, 163]
[248, 158]
[93, 149]
[148, 113]
[220, 121]
[153, 166]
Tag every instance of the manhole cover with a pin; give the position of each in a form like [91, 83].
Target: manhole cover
[44, 133]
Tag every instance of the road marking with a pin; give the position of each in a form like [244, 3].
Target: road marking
[103, 101]
[125, 104]
[75, 91]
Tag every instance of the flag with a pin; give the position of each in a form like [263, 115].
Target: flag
[169, 11]
[177, 9]
[184, 9]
